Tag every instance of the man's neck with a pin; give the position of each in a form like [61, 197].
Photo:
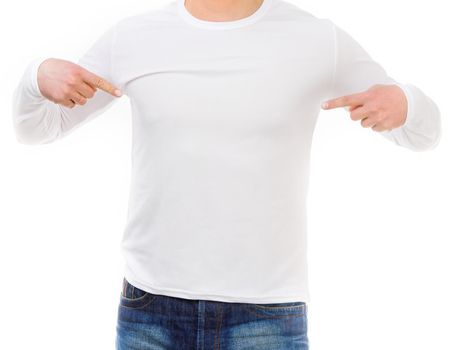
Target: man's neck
[222, 10]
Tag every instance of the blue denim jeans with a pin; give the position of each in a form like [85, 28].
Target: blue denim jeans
[149, 321]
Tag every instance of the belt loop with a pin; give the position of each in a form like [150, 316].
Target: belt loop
[124, 286]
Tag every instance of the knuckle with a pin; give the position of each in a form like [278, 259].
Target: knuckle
[99, 81]
[372, 108]
[77, 71]
[66, 90]
[71, 80]
[72, 83]
[379, 115]
[369, 93]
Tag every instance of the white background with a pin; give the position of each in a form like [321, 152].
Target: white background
[379, 214]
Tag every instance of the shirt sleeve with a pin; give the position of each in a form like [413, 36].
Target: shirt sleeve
[355, 71]
[37, 120]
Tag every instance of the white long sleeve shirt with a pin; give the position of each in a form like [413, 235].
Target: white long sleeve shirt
[223, 115]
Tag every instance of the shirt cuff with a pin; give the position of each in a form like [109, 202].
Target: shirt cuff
[410, 104]
[33, 67]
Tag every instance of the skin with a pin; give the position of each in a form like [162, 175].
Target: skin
[223, 10]
[381, 107]
[69, 84]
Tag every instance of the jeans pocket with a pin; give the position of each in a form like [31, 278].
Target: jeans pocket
[133, 297]
[289, 309]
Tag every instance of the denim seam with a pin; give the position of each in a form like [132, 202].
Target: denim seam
[218, 330]
[279, 307]
[152, 298]
[273, 316]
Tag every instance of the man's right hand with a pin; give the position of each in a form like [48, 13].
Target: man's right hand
[67, 83]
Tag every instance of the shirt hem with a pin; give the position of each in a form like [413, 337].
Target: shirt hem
[178, 293]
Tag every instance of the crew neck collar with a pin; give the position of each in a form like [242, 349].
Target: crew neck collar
[188, 17]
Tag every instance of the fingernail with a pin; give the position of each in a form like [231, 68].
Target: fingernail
[324, 105]
[117, 92]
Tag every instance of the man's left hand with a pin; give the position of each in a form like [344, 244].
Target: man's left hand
[381, 107]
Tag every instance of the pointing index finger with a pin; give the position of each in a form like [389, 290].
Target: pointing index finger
[102, 84]
[343, 101]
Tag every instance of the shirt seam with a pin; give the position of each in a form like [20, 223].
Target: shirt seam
[334, 72]
[112, 46]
